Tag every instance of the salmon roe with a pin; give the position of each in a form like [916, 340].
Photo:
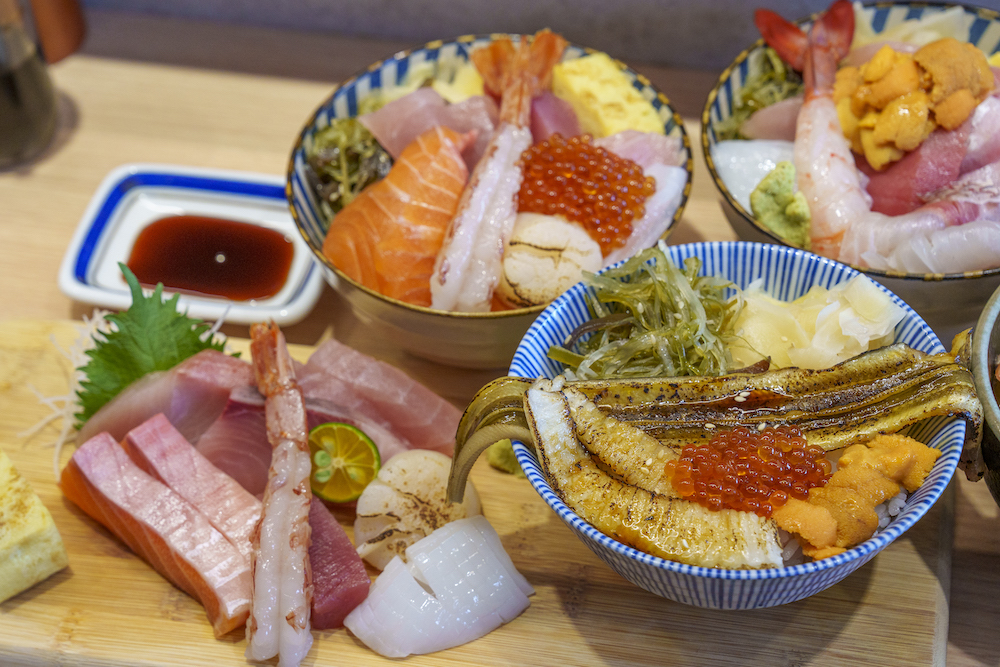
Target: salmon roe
[749, 470]
[586, 184]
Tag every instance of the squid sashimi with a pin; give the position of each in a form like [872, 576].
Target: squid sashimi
[340, 580]
[165, 530]
[400, 122]
[237, 442]
[191, 395]
[457, 585]
[282, 585]
[468, 267]
[343, 376]
[388, 237]
[160, 450]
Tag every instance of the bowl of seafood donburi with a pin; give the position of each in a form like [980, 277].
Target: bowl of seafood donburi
[907, 189]
[450, 192]
[719, 478]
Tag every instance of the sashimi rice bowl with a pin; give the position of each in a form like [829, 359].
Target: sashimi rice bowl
[452, 191]
[882, 167]
[668, 463]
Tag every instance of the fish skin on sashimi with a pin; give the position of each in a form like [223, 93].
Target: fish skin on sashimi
[160, 450]
[191, 395]
[162, 528]
[344, 376]
[237, 442]
[340, 580]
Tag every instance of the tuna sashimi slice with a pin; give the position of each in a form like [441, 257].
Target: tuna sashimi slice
[160, 450]
[191, 395]
[385, 394]
[340, 580]
[162, 528]
[237, 442]
[551, 115]
[904, 185]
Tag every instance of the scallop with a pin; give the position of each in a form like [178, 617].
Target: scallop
[406, 502]
[545, 256]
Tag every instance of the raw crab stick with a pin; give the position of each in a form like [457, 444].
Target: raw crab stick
[161, 527]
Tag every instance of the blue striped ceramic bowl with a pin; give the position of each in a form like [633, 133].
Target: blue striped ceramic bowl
[949, 303]
[474, 340]
[788, 274]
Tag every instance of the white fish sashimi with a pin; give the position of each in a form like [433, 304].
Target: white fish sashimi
[742, 164]
[406, 502]
[469, 264]
[458, 585]
[660, 209]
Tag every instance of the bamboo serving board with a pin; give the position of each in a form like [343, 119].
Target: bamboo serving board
[110, 608]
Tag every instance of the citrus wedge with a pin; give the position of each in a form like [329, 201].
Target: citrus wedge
[344, 461]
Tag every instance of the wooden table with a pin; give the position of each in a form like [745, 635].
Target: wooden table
[229, 98]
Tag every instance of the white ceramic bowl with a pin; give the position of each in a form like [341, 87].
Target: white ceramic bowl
[949, 303]
[788, 273]
[472, 340]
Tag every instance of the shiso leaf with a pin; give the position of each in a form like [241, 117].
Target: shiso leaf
[150, 336]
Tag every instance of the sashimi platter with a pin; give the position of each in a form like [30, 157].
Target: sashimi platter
[735, 428]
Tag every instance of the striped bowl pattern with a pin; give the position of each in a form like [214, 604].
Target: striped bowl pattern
[788, 273]
[343, 102]
[948, 302]
[471, 340]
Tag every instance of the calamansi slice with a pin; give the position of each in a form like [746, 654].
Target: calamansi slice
[344, 461]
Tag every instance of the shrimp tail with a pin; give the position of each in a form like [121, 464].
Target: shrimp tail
[492, 62]
[829, 41]
[516, 76]
[786, 38]
[834, 29]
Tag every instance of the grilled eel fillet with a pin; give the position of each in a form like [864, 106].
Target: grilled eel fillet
[881, 391]
[617, 501]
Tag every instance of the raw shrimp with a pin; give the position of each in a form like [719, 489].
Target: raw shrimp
[282, 582]
[958, 229]
[469, 264]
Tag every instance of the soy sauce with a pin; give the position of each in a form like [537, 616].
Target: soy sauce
[212, 256]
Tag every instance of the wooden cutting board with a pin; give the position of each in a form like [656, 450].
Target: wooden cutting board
[110, 608]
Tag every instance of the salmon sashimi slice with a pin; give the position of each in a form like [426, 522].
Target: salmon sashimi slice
[191, 395]
[162, 528]
[161, 451]
[388, 238]
[340, 580]
[282, 580]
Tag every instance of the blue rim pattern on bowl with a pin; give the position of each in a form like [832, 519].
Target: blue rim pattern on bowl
[343, 102]
[984, 32]
[703, 587]
[87, 254]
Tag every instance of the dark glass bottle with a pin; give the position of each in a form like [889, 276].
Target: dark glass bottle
[27, 97]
